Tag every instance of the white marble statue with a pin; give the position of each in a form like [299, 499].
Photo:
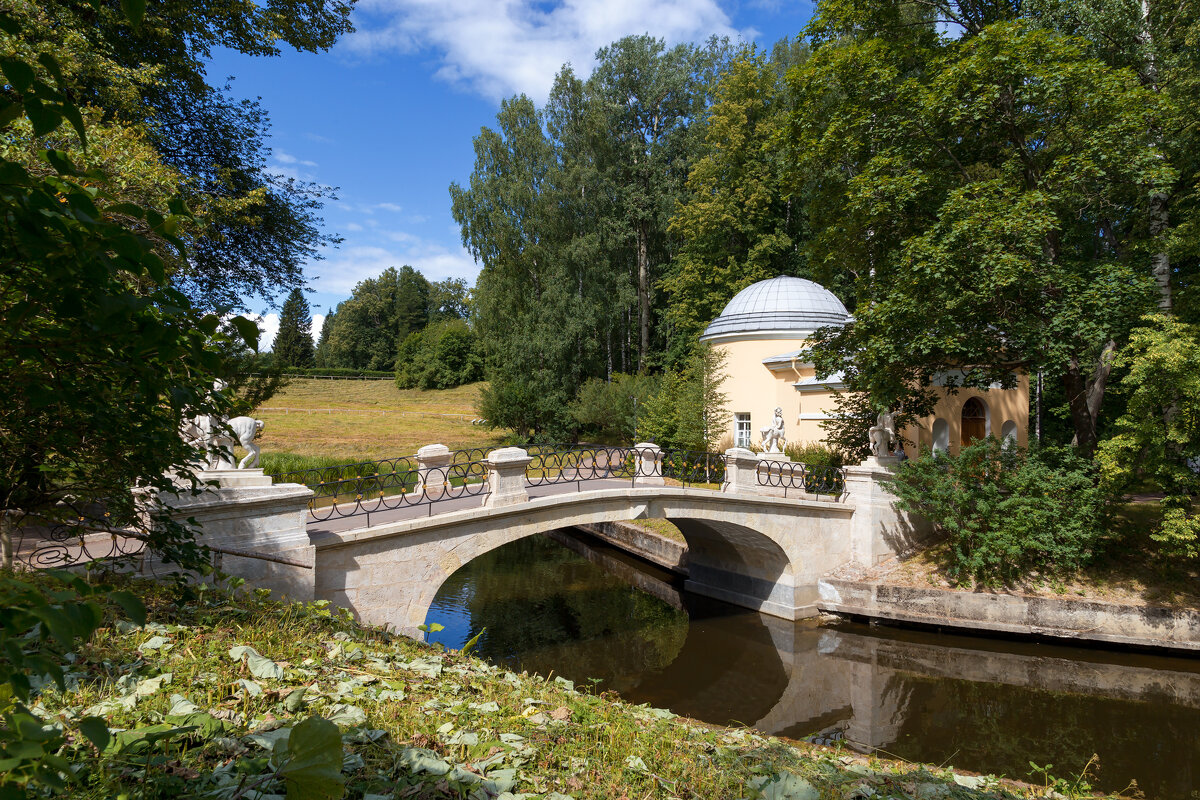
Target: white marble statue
[773, 438]
[883, 434]
[212, 433]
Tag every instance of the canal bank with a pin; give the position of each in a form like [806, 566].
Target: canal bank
[863, 595]
[981, 704]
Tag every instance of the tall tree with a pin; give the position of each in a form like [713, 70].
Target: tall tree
[257, 229]
[989, 217]
[567, 212]
[293, 345]
[1157, 40]
[365, 331]
[647, 96]
[739, 222]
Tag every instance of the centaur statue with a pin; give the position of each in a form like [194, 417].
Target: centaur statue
[218, 436]
[773, 438]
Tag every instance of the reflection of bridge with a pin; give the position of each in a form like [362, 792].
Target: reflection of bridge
[760, 532]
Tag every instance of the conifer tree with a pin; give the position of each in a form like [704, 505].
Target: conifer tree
[293, 344]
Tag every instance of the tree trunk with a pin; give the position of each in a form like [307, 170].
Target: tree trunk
[7, 525]
[1081, 420]
[1085, 397]
[643, 267]
[1160, 220]
[1160, 263]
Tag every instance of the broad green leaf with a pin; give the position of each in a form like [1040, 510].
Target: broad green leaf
[784, 786]
[180, 705]
[42, 116]
[131, 605]
[18, 73]
[248, 330]
[347, 715]
[313, 770]
[96, 731]
[295, 699]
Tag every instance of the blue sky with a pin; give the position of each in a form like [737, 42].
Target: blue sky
[388, 114]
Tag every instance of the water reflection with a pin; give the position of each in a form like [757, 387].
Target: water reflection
[588, 611]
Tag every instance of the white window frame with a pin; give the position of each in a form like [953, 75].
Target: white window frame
[742, 430]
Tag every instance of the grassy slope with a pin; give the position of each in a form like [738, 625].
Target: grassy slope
[350, 432]
[420, 722]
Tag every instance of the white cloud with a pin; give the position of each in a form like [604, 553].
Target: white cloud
[284, 158]
[344, 268]
[352, 226]
[268, 325]
[318, 321]
[501, 47]
[390, 207]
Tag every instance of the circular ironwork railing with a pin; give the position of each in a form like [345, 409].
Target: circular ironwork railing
[810, 479]
[369, 487]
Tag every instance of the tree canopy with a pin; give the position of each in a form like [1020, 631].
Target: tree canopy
[163, 129]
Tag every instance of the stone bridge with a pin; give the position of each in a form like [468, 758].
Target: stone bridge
[747, 543]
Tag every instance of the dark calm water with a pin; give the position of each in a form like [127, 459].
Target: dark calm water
[574, 607]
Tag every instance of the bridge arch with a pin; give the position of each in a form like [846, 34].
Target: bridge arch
[769, 559]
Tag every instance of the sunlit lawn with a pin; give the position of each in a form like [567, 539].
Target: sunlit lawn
[336, 421]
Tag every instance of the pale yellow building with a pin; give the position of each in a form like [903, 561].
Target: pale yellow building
[764, 331]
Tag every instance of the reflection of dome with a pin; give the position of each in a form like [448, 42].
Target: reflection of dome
[779, 304]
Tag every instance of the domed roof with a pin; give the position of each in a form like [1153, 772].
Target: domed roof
[779, 304]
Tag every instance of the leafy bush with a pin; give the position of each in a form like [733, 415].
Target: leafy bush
[1157, 439]
[1006, 512]
[688, 410]
[440, 356]
[815, 455]
[606, 410]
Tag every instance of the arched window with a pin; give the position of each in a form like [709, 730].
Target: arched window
[1008, 432]
[974, 421]
[941, 436]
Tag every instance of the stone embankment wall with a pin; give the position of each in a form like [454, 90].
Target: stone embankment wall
[1086, 620]
[641, 542]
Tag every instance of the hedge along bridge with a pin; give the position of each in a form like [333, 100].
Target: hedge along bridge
[380, 537]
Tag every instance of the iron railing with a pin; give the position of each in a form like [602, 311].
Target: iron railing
[576, 463]
[371, 487]
[694, 468]
[810, 479]
[59, 545]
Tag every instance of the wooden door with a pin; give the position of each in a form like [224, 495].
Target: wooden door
[974, 421]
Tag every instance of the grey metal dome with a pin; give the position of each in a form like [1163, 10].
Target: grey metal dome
[779, 304]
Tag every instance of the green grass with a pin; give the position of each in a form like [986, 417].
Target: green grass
[415, 721]
[339, 422]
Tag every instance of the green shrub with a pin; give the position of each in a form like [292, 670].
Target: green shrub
[815, 455]
[441, 355]
[606, 410]
[1006, 512]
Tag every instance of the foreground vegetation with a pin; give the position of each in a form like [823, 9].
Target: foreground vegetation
[220, 695]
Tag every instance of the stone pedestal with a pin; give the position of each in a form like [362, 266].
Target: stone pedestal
[879, 529]
[648, 460]
[433, 469]
[260, 525]
[741, 471]
[506, 477]
[747, 472]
